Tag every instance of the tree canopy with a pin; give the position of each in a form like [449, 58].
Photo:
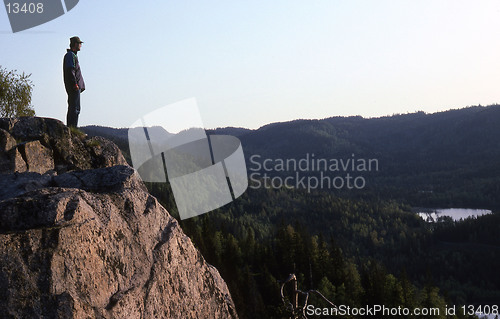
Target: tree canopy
[15, 94]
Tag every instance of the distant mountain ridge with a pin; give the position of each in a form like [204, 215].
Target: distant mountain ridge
[445, 158]
[417, 126]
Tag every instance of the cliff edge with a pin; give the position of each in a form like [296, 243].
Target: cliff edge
[80, 236]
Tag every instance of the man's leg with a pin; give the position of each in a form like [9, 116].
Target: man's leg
[73, 108]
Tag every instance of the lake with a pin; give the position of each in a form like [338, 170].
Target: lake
[432, 214]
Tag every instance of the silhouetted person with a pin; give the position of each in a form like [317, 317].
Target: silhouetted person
[73, 81]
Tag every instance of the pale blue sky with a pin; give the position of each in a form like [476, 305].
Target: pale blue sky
[256, 62]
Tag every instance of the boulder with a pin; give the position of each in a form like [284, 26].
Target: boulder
[54, 146]
[104, 152]
[10, 159]
[37, 157]
[7, 142]
[93, 243]
[12, 162]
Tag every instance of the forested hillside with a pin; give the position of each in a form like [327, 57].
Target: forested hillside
[443, 159]
[446, 159]
[361, 246]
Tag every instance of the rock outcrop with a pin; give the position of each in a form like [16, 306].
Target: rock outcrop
[80, 237]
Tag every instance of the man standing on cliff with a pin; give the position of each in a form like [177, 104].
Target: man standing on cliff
[73, 80]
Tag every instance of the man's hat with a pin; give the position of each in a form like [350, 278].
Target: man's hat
[75, 40]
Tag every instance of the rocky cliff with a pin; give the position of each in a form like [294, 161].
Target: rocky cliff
[80, 237]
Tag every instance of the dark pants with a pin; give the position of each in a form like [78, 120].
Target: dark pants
[73, 108]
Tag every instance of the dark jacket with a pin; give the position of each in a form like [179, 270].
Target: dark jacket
[72, 72]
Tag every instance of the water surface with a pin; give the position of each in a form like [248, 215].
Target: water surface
[432, 214]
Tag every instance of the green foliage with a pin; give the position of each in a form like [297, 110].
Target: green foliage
[367, 247]
[446, 159]
[93, 143]
[77, 132]
[15, 94]
[355, 252]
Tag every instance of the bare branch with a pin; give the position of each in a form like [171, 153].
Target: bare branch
[295, 310]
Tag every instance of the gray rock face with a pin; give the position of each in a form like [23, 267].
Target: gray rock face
[10, 158]
[7, 142]
[37, 157]
[70, 151]
[94, 244]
